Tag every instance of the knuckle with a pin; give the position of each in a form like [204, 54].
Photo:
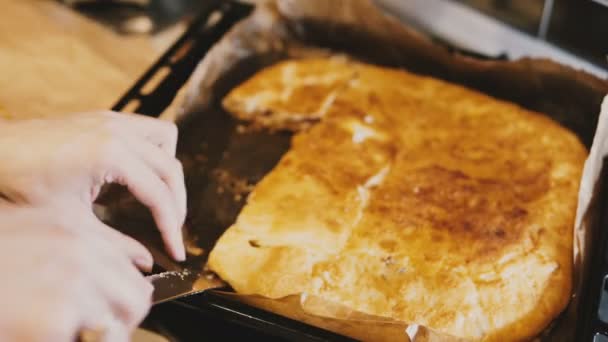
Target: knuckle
[107, 120]
[171, 130]
[177, 166]
[155, 202]
[165, 205]
[136, 248]
[143, 253]
[173, 172]
[172, 127]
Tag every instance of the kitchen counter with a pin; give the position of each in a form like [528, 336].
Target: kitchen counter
[54, 61]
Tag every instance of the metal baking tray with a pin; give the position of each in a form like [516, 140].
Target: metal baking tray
[209, 314]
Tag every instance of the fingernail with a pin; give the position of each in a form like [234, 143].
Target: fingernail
[180, 252]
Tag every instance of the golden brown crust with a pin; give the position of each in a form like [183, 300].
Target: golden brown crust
[292, 96]
[411, 198]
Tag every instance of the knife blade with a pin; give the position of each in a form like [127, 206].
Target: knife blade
[167, 286]
[177, 284]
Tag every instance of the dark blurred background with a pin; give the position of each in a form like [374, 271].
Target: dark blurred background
[580, 26]
[577, 26]
[137, 16]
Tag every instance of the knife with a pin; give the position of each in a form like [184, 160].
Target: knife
[179, 279]
[168, 286]
[177, 284]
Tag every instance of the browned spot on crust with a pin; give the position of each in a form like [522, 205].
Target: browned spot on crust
[457, 205]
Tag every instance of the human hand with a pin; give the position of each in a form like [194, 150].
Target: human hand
[68, 159]
[64, 276]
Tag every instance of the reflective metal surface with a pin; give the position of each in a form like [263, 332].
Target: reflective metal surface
[174, 284]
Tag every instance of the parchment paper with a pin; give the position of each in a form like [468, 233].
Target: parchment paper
[223, 165]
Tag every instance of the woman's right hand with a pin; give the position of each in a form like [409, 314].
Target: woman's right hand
[63, 276]
[66, 160]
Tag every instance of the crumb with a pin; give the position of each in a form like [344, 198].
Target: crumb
[388, 260]
[194, 250]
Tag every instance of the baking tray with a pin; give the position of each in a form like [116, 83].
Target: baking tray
[210, 313]
[207, 314]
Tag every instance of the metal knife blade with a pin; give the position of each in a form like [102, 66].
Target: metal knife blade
[176, 284]
[167, 286]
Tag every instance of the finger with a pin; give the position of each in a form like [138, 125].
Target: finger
[160, 132]
[133, 307]
[138, 253]
[100, 314]
[119, 282]
[83, 214]
[96, 316]
[167, 167]
[151, 191]
[100, 323]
